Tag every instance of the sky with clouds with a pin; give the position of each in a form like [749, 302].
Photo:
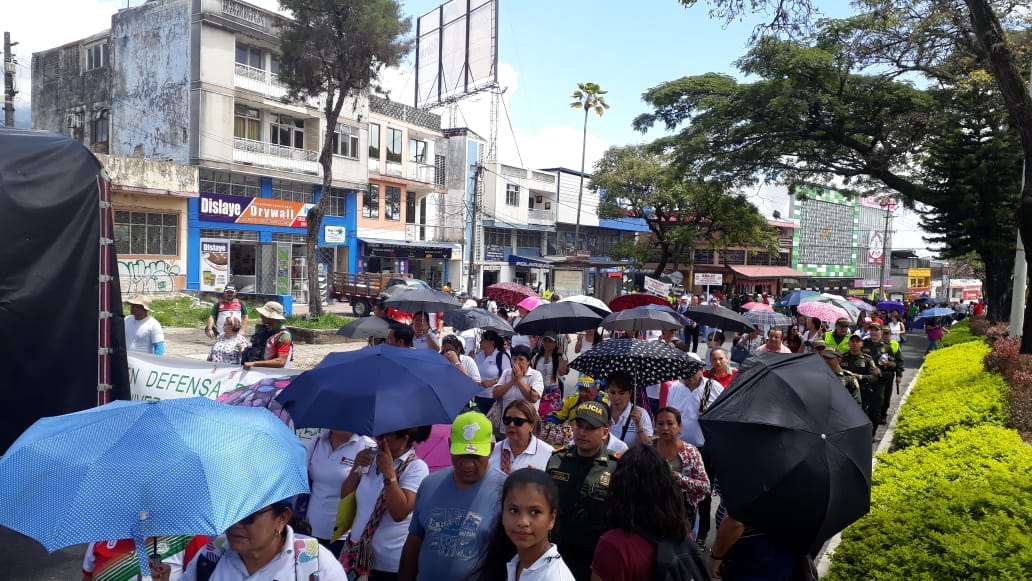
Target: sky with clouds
[545, 49]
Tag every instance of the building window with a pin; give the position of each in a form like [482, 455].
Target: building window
[100, 130]
[292, 191]
[230, 183]
[703, 256]
[336, 202]
[287, 131]
[497, 237]
[782, 259]
[247, 123]
[417, 151]
[528, 239]
[97, 56]
[392, 203]
[146, 233]
[249, 55]
[732, 256]
[512, 195]
[439, 165]
[759, 258]
[374, 141]
[345, 141]
[394, 145]
[371, 202]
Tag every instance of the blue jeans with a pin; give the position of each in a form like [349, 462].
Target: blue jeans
[757, 559]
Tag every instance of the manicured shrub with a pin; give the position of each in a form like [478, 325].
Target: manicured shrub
[1019, 402]
[959, 508]
[979, 325]
[961, 332]
[953, 390]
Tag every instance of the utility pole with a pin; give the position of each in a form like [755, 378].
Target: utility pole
[886, 247]
[475, 242]
[10, 69]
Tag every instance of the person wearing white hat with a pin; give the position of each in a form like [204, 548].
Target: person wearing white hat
[279, 345]
[143, 333]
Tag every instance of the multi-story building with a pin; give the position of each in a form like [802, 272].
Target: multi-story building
[194, 83]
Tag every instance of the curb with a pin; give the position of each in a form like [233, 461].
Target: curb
[823, 559]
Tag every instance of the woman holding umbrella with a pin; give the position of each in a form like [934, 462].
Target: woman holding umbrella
[262, 545]
[551, 364]
[385, 490]
[491, 361]
[720, 371]
[519, 381]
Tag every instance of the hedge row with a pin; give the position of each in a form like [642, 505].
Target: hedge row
[959, 333]
[953, 390]
[959, 508]
[956, 502]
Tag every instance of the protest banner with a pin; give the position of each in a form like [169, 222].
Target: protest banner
[154, 377]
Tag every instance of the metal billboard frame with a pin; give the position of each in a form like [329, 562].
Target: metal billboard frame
[456, 72]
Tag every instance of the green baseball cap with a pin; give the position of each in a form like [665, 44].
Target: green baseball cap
[593, 412]
[471, 434]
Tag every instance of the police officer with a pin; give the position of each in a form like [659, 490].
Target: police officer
[582, 472]
[849, 381]
[838, 338]
[866, 371]
[893, 366]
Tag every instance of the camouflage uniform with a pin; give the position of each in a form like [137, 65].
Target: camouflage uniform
[866, 371]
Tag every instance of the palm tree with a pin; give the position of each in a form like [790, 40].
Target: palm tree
[588, 96]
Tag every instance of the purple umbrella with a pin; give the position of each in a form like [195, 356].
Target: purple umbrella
[891, 306]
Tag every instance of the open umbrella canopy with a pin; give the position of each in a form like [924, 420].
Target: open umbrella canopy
[862, 305]
[594, 304]
[754, 306]
[378, 390]
[418, 299]
[826, 312]
[649, 362]
[642, 319]
[365, 328]
[509, 294]
[936, 312]
[768, 319]
[559, 317]
[891, 306]
[465, 319]
[852, 311]
[720, 317]
[531, 303]
[636, 300]
[793, 299]
[791, 449]
[668, 310]
[134, 469]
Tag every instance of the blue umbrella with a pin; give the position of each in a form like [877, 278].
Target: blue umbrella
[936, 312]
[139, 469]
[793, 299]
[891, 306]
[378, 390]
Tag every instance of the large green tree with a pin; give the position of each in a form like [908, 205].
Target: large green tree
[334, 51]
[680, 213]
[811, 117]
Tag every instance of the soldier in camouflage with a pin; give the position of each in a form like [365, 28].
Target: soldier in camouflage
[866, 371]
[849, 381]
[892, 366]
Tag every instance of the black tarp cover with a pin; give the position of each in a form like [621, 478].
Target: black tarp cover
[50, 281]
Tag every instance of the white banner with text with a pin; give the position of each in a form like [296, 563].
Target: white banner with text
[156, 377]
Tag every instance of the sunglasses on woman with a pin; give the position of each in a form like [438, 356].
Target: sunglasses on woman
[519, 422]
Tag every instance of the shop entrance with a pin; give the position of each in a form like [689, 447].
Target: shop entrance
[490, 277]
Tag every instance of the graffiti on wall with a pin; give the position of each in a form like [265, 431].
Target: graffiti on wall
[141, 276]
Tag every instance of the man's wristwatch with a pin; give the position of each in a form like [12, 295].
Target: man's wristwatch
[389, 481]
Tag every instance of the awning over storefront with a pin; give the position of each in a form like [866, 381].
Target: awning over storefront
[766, 272]
[529, 262]
[383, 248]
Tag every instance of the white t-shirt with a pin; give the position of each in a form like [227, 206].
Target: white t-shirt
[548, 567]
[514, 393]
[470, 339]
[389, 537]
[140, 336]
[616, 425]
[420, 342]
[545, 366]
[470, 367]
[687, 402]
[231, 568]
[488, 366]
[535, 456]
[327, 470]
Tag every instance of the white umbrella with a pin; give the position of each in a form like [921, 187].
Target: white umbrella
[596, 305]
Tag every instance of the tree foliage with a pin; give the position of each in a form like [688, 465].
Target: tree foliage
[680, 213]
[334, 51]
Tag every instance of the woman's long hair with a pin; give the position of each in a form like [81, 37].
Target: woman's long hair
[500, 548]
[643, 496]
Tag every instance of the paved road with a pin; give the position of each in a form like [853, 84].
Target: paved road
[26, 560]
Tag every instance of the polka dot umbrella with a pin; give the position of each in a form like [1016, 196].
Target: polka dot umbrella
[649, 362]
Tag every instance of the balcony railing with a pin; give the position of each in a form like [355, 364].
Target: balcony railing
[393, 169]
[265, 82]
[264, 154]
[420, 172]
[542, 217]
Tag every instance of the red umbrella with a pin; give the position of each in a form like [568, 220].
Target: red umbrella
[636, 300]
[509, 294]
[754, 306]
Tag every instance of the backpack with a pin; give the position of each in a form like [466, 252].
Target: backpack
[306, 558]
[677, 560]
[256, 352]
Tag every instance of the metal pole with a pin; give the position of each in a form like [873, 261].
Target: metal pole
[1017, 312]
[9, 72]
[885, 249]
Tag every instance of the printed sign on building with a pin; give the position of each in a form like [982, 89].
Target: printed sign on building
[214, 259]
[708, 279]
[245, 210]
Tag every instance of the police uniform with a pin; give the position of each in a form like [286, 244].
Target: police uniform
[850, 382]
[897, 357]
[866, 371]
[583, 484]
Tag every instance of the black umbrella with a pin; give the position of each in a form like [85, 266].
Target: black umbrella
[642, 319]
[670, 311]
[719, 317]
[414, 300]
[649, 362]
[561, 317]
[791, 450]
[365, 328]
[464, 319]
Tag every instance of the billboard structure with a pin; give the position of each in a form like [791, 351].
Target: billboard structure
[456, 51]
[826, 244]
